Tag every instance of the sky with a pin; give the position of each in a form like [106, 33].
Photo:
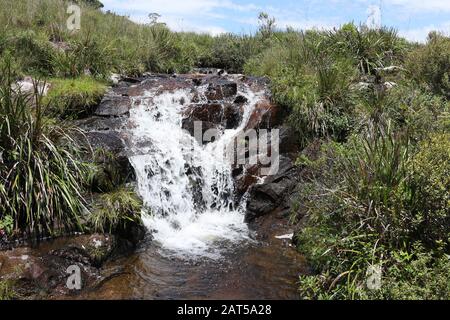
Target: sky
[414, 19]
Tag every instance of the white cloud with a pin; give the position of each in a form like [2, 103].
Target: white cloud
[420, 34]
[414, 5]
[422, 5]
[181, 15]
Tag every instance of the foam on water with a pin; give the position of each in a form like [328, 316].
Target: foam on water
[188, 187]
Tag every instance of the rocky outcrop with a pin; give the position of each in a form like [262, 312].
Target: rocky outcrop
[273, 193]
[213, 116]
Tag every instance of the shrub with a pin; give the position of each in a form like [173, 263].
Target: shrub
[373, 201]
[39, 170]
[32, 52]
[74, 98]
[430, 64]
[431, 182]
[86, 55]
[368, 48]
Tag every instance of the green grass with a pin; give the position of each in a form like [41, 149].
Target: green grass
[6, 291]
[75, 97]
[115, 210]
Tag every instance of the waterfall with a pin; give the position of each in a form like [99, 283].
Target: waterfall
[188, 187]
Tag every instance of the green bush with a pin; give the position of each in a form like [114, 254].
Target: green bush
[431, 182]
[32, 51]
[372, 201]
[430, 64]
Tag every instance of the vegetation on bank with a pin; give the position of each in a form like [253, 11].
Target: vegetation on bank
[377, 194]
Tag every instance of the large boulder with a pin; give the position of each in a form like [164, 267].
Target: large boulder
[114, 106]
[265, 197]
[97, 123]
[213, 116]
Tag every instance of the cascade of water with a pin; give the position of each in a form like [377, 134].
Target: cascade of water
[188, 187]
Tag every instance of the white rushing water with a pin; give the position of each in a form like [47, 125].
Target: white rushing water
[188, 187]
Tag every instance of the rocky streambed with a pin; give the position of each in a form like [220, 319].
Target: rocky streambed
[262, 264]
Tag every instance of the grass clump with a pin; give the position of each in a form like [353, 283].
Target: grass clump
[75, 98]
[106, 172]
[39, 172]
[115, 211]
[6, 290]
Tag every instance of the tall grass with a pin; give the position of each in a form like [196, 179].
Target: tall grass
[39, 171]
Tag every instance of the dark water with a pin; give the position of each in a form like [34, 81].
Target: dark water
[264, 269]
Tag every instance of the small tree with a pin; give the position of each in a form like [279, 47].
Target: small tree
[267, 24]
[154, 17]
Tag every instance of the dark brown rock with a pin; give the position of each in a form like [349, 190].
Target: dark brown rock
[266, 115]
[221, 89]
[114, 106]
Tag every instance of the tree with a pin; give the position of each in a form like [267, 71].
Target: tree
[267, 24]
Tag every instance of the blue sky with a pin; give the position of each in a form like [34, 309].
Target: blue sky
[413, 18]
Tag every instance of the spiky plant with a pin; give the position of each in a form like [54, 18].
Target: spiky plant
[39, 172]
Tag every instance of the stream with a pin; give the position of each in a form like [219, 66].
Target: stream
[198, 243]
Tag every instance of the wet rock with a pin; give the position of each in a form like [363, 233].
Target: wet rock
[41, 272]
[248, 177]
[97, 123]
[213, 116]
[289, 141]
[129, 236]
[264, 198]
[221, 89]
[110, 141]
[266, 115]
[240, 100]
[131, 79]
[188, 124]
[210, 112]
[114, 106]
[88, 250]
[159, 84]
[232, 116]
